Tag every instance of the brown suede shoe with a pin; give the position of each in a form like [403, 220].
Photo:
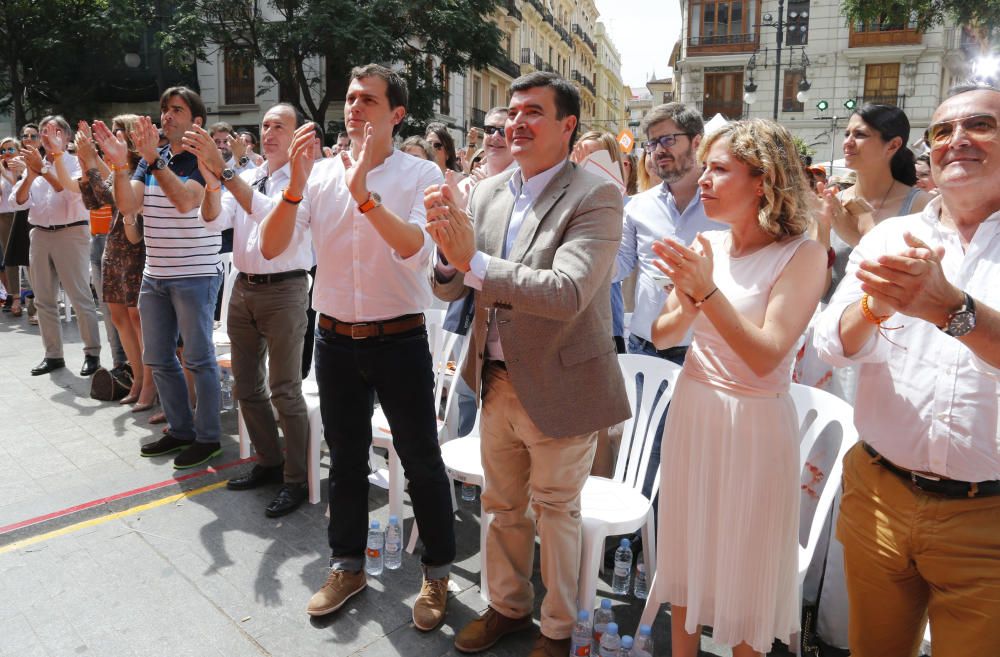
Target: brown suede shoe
[489, 628]
[339, 587]
[428, 610]
[546, 647]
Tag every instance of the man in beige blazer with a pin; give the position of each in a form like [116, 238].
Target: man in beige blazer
[539, 261]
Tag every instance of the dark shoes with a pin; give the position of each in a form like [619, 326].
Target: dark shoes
[90, 365]
[546, 647]
[48, 365]
[196, 454]
[289, 498]
[258, 475]
[165, 445]
[489, 628]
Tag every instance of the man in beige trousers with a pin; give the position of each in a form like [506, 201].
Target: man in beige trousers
[539, 261]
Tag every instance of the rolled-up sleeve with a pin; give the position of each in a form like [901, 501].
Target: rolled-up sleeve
[418, 217]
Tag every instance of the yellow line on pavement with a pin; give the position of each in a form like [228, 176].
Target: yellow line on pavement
[100, 520]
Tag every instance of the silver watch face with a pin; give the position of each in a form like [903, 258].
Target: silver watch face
[376, 197]
[961, 323]
[228, 174]
[160, 163]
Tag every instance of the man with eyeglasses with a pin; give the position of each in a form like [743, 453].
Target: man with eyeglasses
[918, 309]
[267, 311]
[59, 253]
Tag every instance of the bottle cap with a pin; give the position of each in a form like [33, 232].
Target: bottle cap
[612, 628]
[375, 524]
[626, 543]
[641, 567]
[393, 520]
[583, 615]
[645, 630]
[627, 642]
[605, 604]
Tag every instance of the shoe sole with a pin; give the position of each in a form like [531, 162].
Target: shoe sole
[208, 458]
[330, 610]
[163, 453]
[426, 629]
[473, 650]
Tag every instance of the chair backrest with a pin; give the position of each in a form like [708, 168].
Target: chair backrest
[229, 272]
[826, 432]
[649, 382]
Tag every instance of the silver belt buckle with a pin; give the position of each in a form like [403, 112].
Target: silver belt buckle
[354, 336]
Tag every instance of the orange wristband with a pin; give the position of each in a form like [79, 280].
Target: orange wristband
[868, 314]
[217, 188]
[289, 198]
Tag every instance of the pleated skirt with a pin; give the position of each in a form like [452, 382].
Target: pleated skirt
[729, 513]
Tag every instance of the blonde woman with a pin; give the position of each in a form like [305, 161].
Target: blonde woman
[646, 172]
[729, 507]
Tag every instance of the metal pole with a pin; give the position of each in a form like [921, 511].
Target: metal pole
[777, 64]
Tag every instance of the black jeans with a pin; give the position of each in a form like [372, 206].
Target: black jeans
[399, 369]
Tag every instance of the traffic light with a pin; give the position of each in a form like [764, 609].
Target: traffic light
[822, 105]
[850, 104]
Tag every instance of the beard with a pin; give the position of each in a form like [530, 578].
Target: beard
[675, 169]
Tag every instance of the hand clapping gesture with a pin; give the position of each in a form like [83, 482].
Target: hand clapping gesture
[115, 147]
[85, 146]
[449, 227]
[357, 172]
[210, 162]
[301, 157]
[32, 159]
[690, 270]
[146, 138]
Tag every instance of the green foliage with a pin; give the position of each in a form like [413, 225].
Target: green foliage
[804, 150]
[977, 14]
[308, 47]
[55, 53]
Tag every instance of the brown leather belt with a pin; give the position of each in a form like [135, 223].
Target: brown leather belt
[53, 229]
[944, 487]
[363, 330]
[259, 279]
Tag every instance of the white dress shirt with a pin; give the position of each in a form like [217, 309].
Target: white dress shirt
[233, 164]
[927, 402]
[6, 201]
[48, 207]
[247, 256]
[653, 215]
[359, 277]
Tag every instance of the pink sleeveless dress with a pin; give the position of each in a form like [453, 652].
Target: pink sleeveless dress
[729, 492]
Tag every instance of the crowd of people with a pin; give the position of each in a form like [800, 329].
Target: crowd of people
[743, 259]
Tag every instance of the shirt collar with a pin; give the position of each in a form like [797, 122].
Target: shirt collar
[932, 212]
[534, 185]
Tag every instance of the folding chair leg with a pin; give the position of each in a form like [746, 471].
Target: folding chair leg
[315, 441]
[484, 526]
[396, 484]
[246, 448]
[414, 535]
[652, 606]
[591, 555]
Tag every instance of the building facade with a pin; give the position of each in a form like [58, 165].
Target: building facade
[611, 114]
[728, 55]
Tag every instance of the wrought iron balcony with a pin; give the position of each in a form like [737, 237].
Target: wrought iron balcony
[526, 56]
[478, 117]
[513, 11]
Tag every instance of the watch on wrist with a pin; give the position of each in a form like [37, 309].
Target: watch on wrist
[963, 320]
[227, 175]
[243, 161]
[159, 164]
[374, 200]
[45, 170]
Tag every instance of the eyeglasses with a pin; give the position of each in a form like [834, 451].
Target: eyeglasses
[666, 141]
[32, 137]
[437, 145]
[7, 151]
[492, 129]
[981, 127]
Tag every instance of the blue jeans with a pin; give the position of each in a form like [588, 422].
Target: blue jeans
[399, 369]
[172, 306]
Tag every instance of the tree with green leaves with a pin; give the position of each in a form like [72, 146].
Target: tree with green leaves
[308, 47]
[55, 53]
[981, 17]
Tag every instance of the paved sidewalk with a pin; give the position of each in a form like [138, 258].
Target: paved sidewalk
[153, 563]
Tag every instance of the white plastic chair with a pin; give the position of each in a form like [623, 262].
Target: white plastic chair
[821, 416]
[616, 506]
[220, 336]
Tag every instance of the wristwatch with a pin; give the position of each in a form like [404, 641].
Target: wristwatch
[963, 320]
[243, 161]
[374, 200]
[159, 164]
[227, 175]
[45, 170]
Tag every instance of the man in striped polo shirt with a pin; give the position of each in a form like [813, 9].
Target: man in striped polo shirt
[182, 276]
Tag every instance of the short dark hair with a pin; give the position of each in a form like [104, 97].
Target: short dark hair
[687, 118]
[190, 98]
[342, 134]
[567, 97]
[924, 158]
[300, 118]
[253, 137]
[494, 111]
[890, 122]
[33, 126]
[395, 85]
[221, 126]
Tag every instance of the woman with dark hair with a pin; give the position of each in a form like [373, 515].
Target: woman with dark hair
[443, 143]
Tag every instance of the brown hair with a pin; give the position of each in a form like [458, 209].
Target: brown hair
[608, 143]
[190, 98]
[126, 123]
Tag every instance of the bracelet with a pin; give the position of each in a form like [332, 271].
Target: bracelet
[135, 220]
[831, 258]
[56, 155]
[290, 199]
[697, 304]
[115, 167]
[867, 311]
[212, 190]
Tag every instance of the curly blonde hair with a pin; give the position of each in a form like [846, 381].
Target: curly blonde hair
[768, 150]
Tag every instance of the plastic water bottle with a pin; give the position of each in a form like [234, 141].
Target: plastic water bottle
[393, 544]
[468, 492]
[623, 568]
[602, 616]
[374, 553]
[580, 644]
[641, 589]
[626, 649]
[611, 643]
[643, 646]
[226, 386]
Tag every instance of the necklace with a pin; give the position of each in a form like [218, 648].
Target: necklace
[885, 197]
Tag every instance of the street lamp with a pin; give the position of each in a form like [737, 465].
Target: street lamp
[780, 24]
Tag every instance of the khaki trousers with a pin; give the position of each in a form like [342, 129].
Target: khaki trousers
[523, 467]
[63, 257]
[266, 325]
[908, 553]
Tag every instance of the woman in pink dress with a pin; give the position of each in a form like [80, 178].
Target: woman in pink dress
[729, 495]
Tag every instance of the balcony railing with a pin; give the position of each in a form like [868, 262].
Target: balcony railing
[549, 18]
[539, 64]
[883, 37]
[564, 34]
[526, 56]
[478, 117]
[537, 6]
[722, 43]
[513, 11]
[896, 101]
[509, 67]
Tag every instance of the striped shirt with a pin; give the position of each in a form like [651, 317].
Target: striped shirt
[177, 245]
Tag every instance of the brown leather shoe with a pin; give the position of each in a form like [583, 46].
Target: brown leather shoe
[489, 628]
[546, 647]
[428, 610]
[340, 586]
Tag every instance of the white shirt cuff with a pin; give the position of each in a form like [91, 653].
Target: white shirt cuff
[477, 270]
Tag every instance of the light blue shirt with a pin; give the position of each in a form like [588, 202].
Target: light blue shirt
[650, 216]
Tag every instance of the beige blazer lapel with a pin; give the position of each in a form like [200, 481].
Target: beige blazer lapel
[495, 227]
[536, 213]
